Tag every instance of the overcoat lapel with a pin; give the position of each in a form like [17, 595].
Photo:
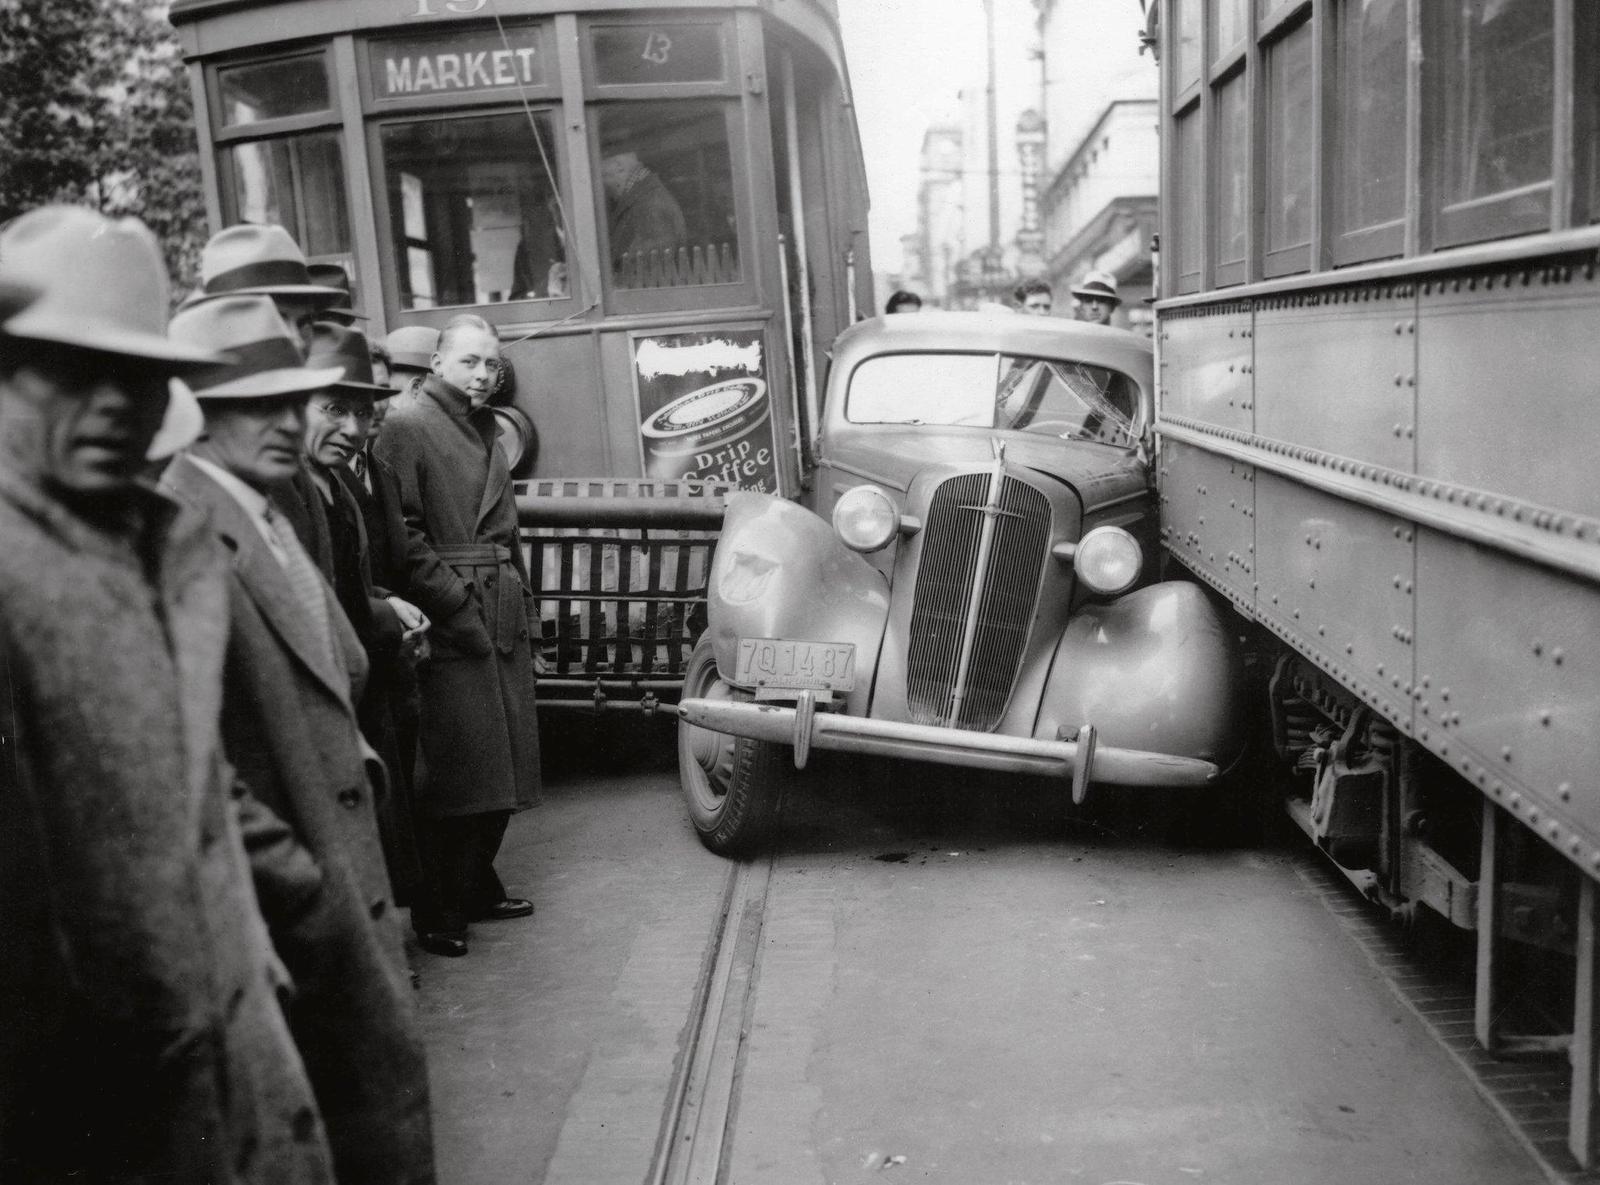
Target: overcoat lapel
[499, 475]
[264, 579]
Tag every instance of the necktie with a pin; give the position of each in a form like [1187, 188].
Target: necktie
[358, 466]
[304, 579]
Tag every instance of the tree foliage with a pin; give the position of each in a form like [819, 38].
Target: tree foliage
[95, 109]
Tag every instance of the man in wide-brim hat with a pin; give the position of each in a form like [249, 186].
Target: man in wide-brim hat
[370, 549]
[263, 260]
[295, 670]
[1096, 297]
[142, 1036]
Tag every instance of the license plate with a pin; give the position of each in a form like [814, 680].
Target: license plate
[814, 666]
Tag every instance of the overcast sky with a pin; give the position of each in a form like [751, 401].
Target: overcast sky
[908, 59]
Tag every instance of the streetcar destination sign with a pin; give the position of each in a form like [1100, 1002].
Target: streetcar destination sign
[454, 63]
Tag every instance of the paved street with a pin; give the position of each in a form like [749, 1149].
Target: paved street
[953, 985]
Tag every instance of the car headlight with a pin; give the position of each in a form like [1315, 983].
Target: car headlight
[1108, 560]
[865, 519]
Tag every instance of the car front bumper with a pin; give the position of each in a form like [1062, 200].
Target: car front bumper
[1082, 759]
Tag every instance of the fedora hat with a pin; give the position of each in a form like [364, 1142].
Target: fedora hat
[261, 356]
[1102, 285]
[333, 275]
[259, 258]
[101, 286]
[412, 347]
[334, 345]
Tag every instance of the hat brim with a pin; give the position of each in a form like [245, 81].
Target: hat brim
[328, 297]
[1095, 294]
[376, 390]
[102, 337]
[336, 311]
[269, 384]
[411, 363]
[14, 297]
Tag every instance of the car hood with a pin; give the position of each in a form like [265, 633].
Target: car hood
[1097, 472]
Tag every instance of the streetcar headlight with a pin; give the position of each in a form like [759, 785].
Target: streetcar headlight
[865, 519]
[1108, 560]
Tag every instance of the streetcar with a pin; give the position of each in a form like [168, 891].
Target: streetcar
[1376, 359]
[660, 207]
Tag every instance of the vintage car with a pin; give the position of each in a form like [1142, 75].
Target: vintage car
[968, 582]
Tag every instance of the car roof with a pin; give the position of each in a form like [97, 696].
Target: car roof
[1000, 332]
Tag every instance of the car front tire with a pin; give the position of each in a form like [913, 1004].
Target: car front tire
[733, 785]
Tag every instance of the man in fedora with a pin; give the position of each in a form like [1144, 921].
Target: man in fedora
[142, 1037]
[480, 735]
[266, 261]
[369, 540]
[333, 275]
[293, 675]
[1096, 297]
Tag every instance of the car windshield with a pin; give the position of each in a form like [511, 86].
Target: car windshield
[1050, 396]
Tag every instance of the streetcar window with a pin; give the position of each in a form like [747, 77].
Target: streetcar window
[296, 182]
[270, 90]
[1233, 178]
[667, 174]
[1231, 21]
[1289, 150]
[1191, 199]
[473, 211]
[632, 55]
[1370, 111]
[1186, 32]
[1497, 124]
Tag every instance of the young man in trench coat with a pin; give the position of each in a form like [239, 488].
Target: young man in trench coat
[294, 672]
[141, 1037]
[480, 736]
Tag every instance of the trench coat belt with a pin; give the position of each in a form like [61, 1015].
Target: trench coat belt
[504, 613]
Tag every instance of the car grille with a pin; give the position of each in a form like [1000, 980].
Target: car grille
[946, 582]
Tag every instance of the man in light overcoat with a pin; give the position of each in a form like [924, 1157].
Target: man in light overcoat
[294, 672]
[141, 1035]
[480, 735]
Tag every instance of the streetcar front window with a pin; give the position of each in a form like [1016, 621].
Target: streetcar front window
[667, 173]
[296, 182]
[474, 216]
[259, 91]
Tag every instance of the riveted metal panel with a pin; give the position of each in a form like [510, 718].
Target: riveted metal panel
[1336, 371]
[1509, 684]
[1510, 363]
[1205, 368]
[1337, 582]
[1207, 514]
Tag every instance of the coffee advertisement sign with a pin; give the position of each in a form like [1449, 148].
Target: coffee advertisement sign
[705, 412]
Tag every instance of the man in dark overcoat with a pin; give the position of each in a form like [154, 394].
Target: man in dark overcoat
[141, 1035]
[480, 736]
[293, 674]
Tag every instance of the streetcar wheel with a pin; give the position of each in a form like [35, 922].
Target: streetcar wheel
[733, 785]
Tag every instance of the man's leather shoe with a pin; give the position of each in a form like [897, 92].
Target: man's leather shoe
[504, 910]
[448, 945]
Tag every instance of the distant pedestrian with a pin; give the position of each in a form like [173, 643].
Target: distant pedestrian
[1033, 297]
[903, 302]
[295, 671]
[1096, 297]
[141, 1037]
[480, 734]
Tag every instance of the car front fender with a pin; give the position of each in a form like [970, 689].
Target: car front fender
[1157, 670]
[781, 572]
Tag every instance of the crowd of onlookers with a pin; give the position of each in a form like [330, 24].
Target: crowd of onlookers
[1094, 298]
[265, 678]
